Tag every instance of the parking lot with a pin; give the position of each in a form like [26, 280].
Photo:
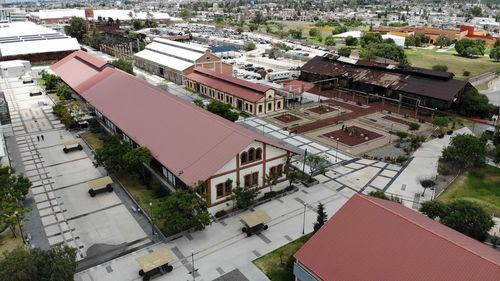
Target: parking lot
[62, 210]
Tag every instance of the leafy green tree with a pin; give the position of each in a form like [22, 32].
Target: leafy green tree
[464, 216]
[472, 103]
[339, 29]
[223, 110]
[441, 122]
[13, 188]
[93, 38]
[470, 47]
[295, 33]
[351, 41]
[443, 41]
[321, 219]
[495, 53]
[51, 81]
[497, 43]
[369, 38]
[317, 163]
[433, 209]
[330, 41]
[314, 32]
[183, 210]
[250, 45]
[344, 51]
[476, 11]
[271, 180]
[186, 14]
[199, 102]
[496, 138]
[385, 50]
[465, 151]
[55, 264]
[244, 197]
[440, 67]
[240, 29]
[258, 19]
[76, 28]
[134, 158]
[63, 91]
[253, 26]
[110, 155]
[125, 65]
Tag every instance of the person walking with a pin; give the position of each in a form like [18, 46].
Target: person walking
[38, 138]
[43, 139]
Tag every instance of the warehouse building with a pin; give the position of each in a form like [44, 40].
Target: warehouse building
[174, 60]
[410, 85]
[188, 143]
[34, 43]
[243, 95]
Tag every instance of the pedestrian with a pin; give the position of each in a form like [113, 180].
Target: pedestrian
[43, 138]
[38, 138]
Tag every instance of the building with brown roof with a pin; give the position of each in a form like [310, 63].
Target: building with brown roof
[411, 85]
[188, 143]
[376, 239]
[174, 60]
[243, 95]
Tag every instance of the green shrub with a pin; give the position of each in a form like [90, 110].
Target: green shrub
[414, 126]
[402, 158]
[402, 134]
[466, 73]
[440, 67]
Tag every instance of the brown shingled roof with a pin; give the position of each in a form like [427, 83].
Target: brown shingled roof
[376, 239]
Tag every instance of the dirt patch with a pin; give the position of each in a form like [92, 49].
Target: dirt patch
[352, 135]
[322, 109]
[287, 118]
[394, 119]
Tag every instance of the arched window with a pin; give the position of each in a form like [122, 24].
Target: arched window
[251, 154]
[243, 157]
[258, 154]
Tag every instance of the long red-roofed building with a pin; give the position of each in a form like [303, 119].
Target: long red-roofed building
[376, 239]
[243, 95]
[188, 143]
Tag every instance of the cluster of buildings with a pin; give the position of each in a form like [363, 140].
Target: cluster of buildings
[62, 16]
[465, 31]
[212, 150]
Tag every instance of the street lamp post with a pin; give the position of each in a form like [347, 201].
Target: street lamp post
[304, 165]
[337, 151]
[151, 212]
[390, 133]
[304, 220]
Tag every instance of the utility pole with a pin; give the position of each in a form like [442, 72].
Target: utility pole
[304, 165]
[193, 269]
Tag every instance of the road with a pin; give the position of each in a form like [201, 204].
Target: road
[493, 92]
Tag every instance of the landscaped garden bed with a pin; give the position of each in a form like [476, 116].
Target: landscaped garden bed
[352, 135]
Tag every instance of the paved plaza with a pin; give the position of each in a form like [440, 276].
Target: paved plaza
[62, 211]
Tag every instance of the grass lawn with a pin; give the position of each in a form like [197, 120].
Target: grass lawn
[8, 242]
[93, 139]
[456, 64]
[274, 263]
[479, 185]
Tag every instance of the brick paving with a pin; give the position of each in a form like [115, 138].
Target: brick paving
[357, 110]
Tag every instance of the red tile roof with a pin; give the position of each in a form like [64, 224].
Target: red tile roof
[233, 80]
[78, 67]
[223, 86]
[375, 239]
[188, 140]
